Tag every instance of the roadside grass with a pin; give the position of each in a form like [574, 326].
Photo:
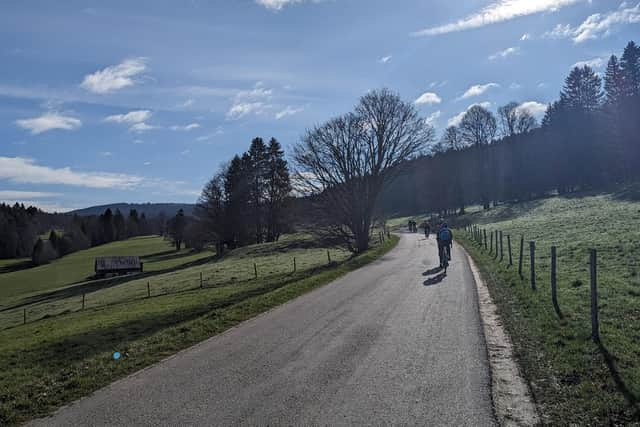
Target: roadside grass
[573, 380]
[237, 267]
[77, 267]
[53, 361]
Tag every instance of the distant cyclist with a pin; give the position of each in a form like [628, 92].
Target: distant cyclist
[445, 240]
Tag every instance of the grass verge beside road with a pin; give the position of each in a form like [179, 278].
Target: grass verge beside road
[56, 360]
[573, 380]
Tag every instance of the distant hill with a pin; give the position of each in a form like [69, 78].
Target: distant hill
[149, 209]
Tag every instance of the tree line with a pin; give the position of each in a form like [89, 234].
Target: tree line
[588, 139]
[30, 232]
[243, 203]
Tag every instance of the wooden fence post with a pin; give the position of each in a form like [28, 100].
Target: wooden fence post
[501, 246]
[255, 270]
[509, 248]
[294, 264]
[554, 281]
[201, 282]
[521, 255]
[532, 255]
[595, 324]
[328, 257]
[24, 316]
[491, 244]
[83, 301]
[148, 290]
[485, 238]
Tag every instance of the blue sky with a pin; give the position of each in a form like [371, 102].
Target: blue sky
[142, 101]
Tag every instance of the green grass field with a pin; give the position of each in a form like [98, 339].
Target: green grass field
[573, 379]
[49, 362]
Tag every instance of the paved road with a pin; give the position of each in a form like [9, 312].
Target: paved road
[388, 344]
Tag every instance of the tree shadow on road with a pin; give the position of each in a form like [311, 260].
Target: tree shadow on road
[435, 279]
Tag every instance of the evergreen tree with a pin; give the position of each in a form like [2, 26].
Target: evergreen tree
[613, 83]
[630, 65]
[582, 91]
[278, 187]
[255, 165]
[177, 227]
[119, 226]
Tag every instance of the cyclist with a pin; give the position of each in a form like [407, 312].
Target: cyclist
[445, 239]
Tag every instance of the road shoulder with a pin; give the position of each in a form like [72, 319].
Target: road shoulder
[512, 399]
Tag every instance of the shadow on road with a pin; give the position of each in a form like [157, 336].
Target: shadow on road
[432, 271]
[435, 279]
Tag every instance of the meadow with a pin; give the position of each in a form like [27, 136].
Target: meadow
[66, 352]
[573, 379]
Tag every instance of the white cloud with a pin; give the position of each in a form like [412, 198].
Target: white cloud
[525, 36]
[279, 4]
[239, 110]
[432, 119]
[114, 77]
[49, 121]
[455, 120]
[288, 111]
[500, 11]
[106, 153]
[18, 195]
[384, 59]
[147, 163]
[141, 127]
[186, 128]
[188, 103]
[185, 152]
[26, 171]
[593, 63]
[536, 109]
[137, 141]
[438, 84]
[504, 53]
[135, 118]
[598, 25]
[131, 117]
[476, 90]
[428, 98]
[252, 101]
[515, 86]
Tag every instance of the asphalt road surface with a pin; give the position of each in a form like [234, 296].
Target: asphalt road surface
[392, 343]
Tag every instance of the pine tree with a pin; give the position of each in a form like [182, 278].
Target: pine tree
[255, 161]
[119, 226]
[278, 188]
[582, 90]
[630, 65]
[613, 83]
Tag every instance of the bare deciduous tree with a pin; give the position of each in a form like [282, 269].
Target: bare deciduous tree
[515, 120]
[478, 126]
[346, 161]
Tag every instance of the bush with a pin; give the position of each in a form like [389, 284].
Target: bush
[43, 252]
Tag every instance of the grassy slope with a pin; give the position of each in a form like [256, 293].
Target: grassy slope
[53, 361]
[78, 267]
[573, 379]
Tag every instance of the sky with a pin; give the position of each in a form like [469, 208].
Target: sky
[121, 101]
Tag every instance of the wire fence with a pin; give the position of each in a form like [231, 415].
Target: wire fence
[493, 244]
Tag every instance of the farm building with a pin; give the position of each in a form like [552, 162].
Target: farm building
[115, 265]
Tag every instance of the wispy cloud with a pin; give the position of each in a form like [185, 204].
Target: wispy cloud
[593, 63]
[49, 121]
[384, 59]
[288, 111]
[598, 25]
[510, 51]
[130, 117]
[477, 90]
[455, 120]
[186, 128]
[499, 11]
[134, 118]
[428, 98]
[114, 77]
[432, 119]
[254, 101]
[525, 36]
[26, 171]
[279, 4]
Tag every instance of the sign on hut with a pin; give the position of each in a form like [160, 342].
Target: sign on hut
[115, 265]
